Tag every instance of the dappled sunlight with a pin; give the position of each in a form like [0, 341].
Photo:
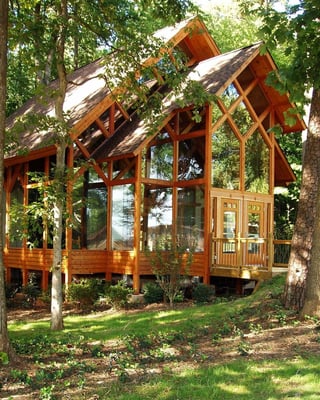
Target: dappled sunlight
[234, 389]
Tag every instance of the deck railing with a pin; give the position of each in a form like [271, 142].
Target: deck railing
[241, 252]
[258, 253]
[281, 252]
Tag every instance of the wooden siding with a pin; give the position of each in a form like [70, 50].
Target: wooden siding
[35, 259]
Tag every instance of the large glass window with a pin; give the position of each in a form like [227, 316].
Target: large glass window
[242, 118]
[122, 217]
[191, 158]
[16, 216]
[190, 219]
[257, 164]
[156, 214]
[225, 158]
[158, 161]
[96, 217]
[89, 198]
[35, 222]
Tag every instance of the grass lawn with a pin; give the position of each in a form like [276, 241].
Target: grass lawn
[246, 348]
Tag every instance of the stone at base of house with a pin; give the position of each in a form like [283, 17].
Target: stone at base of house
[136, 299]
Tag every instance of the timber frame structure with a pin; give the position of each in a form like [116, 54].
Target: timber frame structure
[207, 181]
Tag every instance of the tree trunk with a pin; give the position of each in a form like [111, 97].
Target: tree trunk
[4, 338]
[56, 289]
[312, 294]
[59, 178]
[302, 240]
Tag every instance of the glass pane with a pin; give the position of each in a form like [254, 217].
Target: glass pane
[191, 158]
[225, 158]
[216, 113]
[258, 100]
[229, 224]
[16, 216]
[253, 225]
[96, 217]
[35, 223]
[257, 164]
[158, 162]
[122, 217]
[242, 118]
[229, 230]
[190, 222]
[188, 124]
[78, 207]
[156, 223]
[124, 168]
[229, 95]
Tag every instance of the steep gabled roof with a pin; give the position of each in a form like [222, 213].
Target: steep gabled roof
[215, 75]
[87, 89]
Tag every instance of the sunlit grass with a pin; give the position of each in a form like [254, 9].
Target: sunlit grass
[241, 380]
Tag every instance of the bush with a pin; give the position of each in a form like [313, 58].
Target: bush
[86, 292]
[202, 293]
[153, 293]
[118, 295]
[31, 292]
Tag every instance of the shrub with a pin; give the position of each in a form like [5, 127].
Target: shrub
[86, 292]
[31, 292]
[153, 293]
[202, 293]
[118, 295]
[11, 290]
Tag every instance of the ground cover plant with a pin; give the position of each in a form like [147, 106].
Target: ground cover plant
[243, 348]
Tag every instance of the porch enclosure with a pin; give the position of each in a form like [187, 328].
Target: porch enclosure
[203, 181]
[206, 183]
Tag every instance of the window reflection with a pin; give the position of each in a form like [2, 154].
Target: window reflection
[156, 222]
[122, 217]
[16, 215]
[225, 158]
[190, 221]
[257, 164]
[191, 158]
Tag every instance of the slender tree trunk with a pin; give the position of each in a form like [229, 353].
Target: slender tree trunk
[56, 293]
[302, 240]
[4, 338]
[312, 296]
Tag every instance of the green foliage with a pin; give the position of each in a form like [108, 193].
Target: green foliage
[46, 393]
[118, 295]
[153, 293]
[202, 293]
[86, 292]
[4, 359]
[31, 290]
[170, 267]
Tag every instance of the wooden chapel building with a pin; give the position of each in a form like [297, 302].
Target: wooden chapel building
[210, 181]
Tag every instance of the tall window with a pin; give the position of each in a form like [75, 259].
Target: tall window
[190, 219]
[156, 213]
[89, 199]
[96, 213]
[257, 164]
[191, 158]
[16, 215]
[158, 161]
[122, 217]
[225, 158]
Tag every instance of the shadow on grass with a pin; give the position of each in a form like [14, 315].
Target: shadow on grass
[107, 326]
[241, 380]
